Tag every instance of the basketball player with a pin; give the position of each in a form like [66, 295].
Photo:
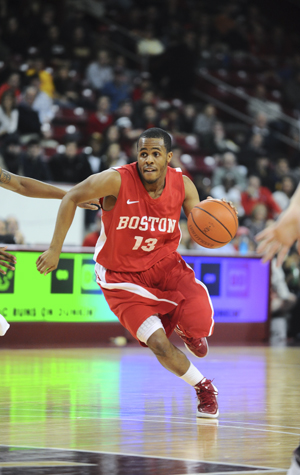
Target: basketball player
[279, 238]
[144, 280]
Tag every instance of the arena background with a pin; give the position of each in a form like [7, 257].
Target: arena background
[79, 82]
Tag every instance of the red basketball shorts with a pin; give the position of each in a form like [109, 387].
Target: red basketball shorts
[169, 289]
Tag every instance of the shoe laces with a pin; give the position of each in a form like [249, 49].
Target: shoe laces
[206, 392]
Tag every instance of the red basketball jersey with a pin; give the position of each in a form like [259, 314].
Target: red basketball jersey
[140, 231]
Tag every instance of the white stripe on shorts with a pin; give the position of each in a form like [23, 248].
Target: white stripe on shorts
[128, 286]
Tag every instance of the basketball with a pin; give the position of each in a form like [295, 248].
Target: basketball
[212, 223]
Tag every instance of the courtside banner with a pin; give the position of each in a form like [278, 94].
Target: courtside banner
[238, 286]
[69, 294]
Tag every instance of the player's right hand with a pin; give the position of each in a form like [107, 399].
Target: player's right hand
[48, 261]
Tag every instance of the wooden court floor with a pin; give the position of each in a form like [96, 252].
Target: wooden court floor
[117, 411]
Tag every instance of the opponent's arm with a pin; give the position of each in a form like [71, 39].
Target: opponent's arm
[35, 189]
[106, 183]
[29, 187]
[280, 236]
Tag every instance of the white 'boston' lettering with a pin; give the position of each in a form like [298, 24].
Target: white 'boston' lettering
[144, 224]
[123, 222]
[172, 224]
[153, 220]
[134, 222]
[162, 226]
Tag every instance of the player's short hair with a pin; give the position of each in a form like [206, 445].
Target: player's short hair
[157, 133]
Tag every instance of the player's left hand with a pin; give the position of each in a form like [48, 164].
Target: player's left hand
[89, 205]
[48, 261]
[6, 260]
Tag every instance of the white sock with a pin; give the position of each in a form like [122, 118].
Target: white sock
[4, 326]
[192, 376]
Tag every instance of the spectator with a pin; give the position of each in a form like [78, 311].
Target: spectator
[80, 48]
[150, 118]
[171, 120]
[100, 120]
[14, 230]
[100, 72]
[217, 142]
[111, 135]
[205, 120]
[12, 84]
[126, 110]
[118, 89]
[229, 164]
[114, 156]
[264, 168]
[70, 166]
[259, 103]
[12, 153]
[282, 168]
[127, 133]
[254, 194]
[177, 163]
[39, 76]
[53, 49]
[252, 150]
[34, 163]
[9, 114]
[42, 103]
[5, 238]
[148, 98]
[96, 161]
[66, 91]
[257, 220]
[288, 187]
[29, 122]
[187, 118]
[261, 128]
[230, 192]
[140, 84]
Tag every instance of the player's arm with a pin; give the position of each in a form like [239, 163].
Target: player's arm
[34, 188]
[191, 195]
[280, 236]
[29, 187]
[102, 184]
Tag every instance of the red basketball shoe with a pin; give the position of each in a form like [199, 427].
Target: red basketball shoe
[197, 346]
[207, 399]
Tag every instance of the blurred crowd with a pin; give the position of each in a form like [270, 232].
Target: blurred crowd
[78, 85]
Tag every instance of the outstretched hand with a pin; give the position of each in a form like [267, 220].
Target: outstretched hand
[6, 260]
[278, 238]
[48, 261]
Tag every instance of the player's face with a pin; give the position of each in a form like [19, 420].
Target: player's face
[153, 159]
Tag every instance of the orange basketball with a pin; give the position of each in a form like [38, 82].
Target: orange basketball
[212, 223]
